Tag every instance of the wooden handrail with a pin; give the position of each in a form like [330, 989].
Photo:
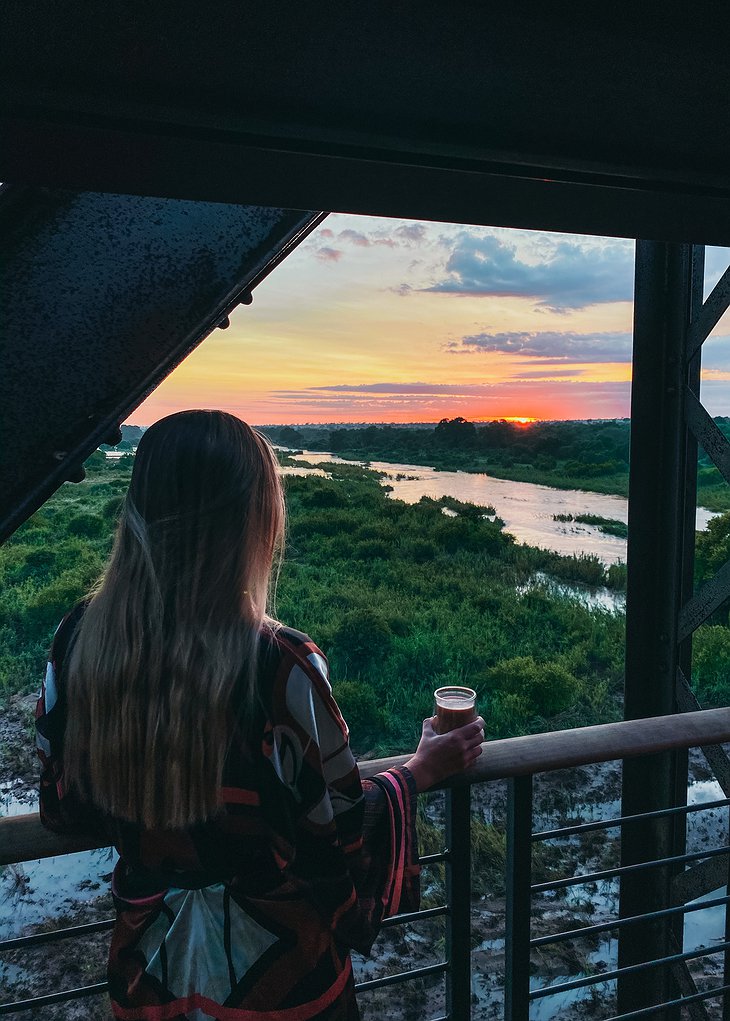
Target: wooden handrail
[23, 838]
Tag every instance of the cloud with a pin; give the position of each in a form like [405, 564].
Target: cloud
[716, 353]
[355, 237]
[432, 401]
[329, 254]
[557, 272]
[368, 232]
[548, 374]
[403, 388]
[402, 237]
[716, 262]
[411, 232]
[550, 345]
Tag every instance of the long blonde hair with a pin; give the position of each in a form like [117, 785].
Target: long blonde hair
[169, 639]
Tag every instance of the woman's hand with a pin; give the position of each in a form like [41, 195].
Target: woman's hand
[439, 756]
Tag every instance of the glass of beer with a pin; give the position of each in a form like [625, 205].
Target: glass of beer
[454, 707]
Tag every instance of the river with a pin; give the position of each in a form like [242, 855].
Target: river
[527, 509]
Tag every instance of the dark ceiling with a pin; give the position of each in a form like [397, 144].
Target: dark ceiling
[608, 119]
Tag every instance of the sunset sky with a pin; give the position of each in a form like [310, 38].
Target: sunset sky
[379, 320]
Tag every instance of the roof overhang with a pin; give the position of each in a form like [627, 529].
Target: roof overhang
[595, 120]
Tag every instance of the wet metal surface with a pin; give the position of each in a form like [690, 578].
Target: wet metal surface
[100, 297]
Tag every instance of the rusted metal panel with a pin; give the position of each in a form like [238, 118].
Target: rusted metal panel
[101, 296]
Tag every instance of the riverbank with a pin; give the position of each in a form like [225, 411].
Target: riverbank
[609, 485]
[590, 456]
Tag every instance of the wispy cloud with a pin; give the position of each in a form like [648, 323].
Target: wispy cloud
[355, 237]
[411, 233]
[402, 388]
[549, 345]
[548, 374]
[386, 234]
[716, 262]
[421, 401]
[716, 353]
[327, 254]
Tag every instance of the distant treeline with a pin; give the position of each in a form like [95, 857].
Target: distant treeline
[590, 455]
[602, 445]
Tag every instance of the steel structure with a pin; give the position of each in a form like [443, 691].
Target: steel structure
[668, 422]
[605, 122]
[101, 296]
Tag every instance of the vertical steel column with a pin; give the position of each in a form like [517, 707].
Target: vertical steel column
[458, 897]
[519, 900]
[655, 586]
[726, 955]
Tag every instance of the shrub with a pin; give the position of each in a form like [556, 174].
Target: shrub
[546, 688]
[421, 551]
[372, 549]
[330, 495]
[711, 665]
[90, 526]
[508, 715]
[363, 712]
[363, 635]
[616, 576]
[50, 604]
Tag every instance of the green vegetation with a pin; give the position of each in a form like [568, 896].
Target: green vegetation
[49, 563]
[403, 598]
[611, 526]
[568, 455]
[711, 642]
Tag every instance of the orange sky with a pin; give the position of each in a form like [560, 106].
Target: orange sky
[378, 320]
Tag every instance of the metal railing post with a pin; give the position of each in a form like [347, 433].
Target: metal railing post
[458, 897]
[519, 904]
[726, 955]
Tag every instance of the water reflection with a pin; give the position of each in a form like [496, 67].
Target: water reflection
[526, 508]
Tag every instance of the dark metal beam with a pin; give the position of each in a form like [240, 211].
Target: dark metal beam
[223, 166]
[657, 557]
[541, 116]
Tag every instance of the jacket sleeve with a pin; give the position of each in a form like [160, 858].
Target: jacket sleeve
[60, 808]
[356, 841]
